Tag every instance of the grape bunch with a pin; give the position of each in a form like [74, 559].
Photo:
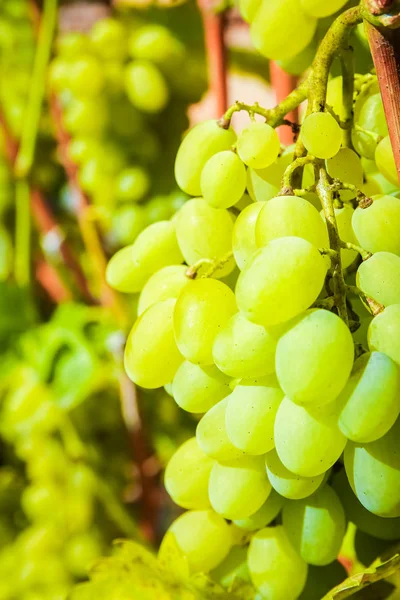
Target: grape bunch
[272, 312]
[124, 110]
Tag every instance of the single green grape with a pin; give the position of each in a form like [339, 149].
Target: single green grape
[86, 78]
[244, 243]
[223, 179]
[379, 278]
[72, 45]
[384, 332]
[146, 87]
[384, 160]
[250, 414]
[258, 145]
[320, 8]
[108, 38]
[127, 223]
[165, 283]
[197, 388]
[369, 115]
[321, 135]
[81, 551]
[248, 9]
[86, 117]
[264, 515]
[298, 64]
[288, 484]
[233, 568]
[151, 354]
[346, 166]
[212, 436]
[156, 43]
[264, 184]
[376, 227]
[132, 184]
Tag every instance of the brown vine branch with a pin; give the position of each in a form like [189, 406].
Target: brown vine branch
[385, 49]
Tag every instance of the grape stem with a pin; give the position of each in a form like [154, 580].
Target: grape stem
[363, 200]
[214, 265]
[374, 306]
[22, 261]
[325, 193]
[287, 179]
[365, 255]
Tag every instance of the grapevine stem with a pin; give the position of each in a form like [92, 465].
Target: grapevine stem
[365, 255]
[374, 306]
[287, 179]
[325, 194]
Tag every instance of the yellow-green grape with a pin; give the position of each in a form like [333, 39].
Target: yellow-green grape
[273, 18]
[154, 248]
[145, 86]
[73, 44]
[203, 537]
[244, 234]
[108, 38]
[298, 64]
[308, 441]
[264, 515]
[379, 278]
[233, 568]
[384, 332]
[320, 8]
[373, 471]
[385, 161]
[366, 521]
[196, 389]
[334, 96]
[288, 484]
[202, 310]
[168, 282]
[197, 147]
[346, 166]
[275, 568]
[310, 371]
[258, 145]
[290, 216]
[212, 437]
[344, 218]
[244, 349]
[248, 9]
[156, 43]
[205, 232]
[86, 117]
[370, 118]
[250, 414]
[132, 184]
[86, 78]
[264, 184]
[238, 488]
[151, 355]
[316, 526]
[282, 280]
[377, 226]
[371, 399]
[321, 580]
[81, 149]
[187, 474]
[80, 553]
[321, 135]
[223, 179]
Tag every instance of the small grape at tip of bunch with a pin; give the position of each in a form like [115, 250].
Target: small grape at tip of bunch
[297, 409]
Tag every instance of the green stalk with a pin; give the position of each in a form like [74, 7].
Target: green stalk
[22, 234]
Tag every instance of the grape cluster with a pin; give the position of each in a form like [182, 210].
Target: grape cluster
[123, 109]
[238, 318]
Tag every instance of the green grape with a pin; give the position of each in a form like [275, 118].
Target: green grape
[321, 135]
[86, 117]
[250, 414]
[238, 488]
[58, 74]
[264, 515]
[202, 310]
[248, 9]
[344, 217]
[321, 580]
[212, 436]
[316, 526]
[310, 371]
[370, 117]
[146, 87]
[288, 484]
[114, 77]
[204, 232]
[379, 278]
[80, 150]
[233, 568]
[72, 45]
[334, 96]
[244, 234]
[266, 296]
[151, 355]
[196, 389]
[366, 521]
[154, 248]
[86, 78]
[384, 160]
[373, 471]
[156, 43]
[271, 19]
[384, 332]
[290, 216]
[258, 145]
[298, 64]
[127, 223]
[187, 474]
[223, 179]
[108, 38]
[275, 568]
[244, 349]
[198, 146]
[158, 209]
[203, 537]
[308, 442]
[132, 184]
[165, 283]
[264, 184]
[42, 501]
[80, 552]
[320, 8]
[377, 226]
[346, 166]
[373, 389]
